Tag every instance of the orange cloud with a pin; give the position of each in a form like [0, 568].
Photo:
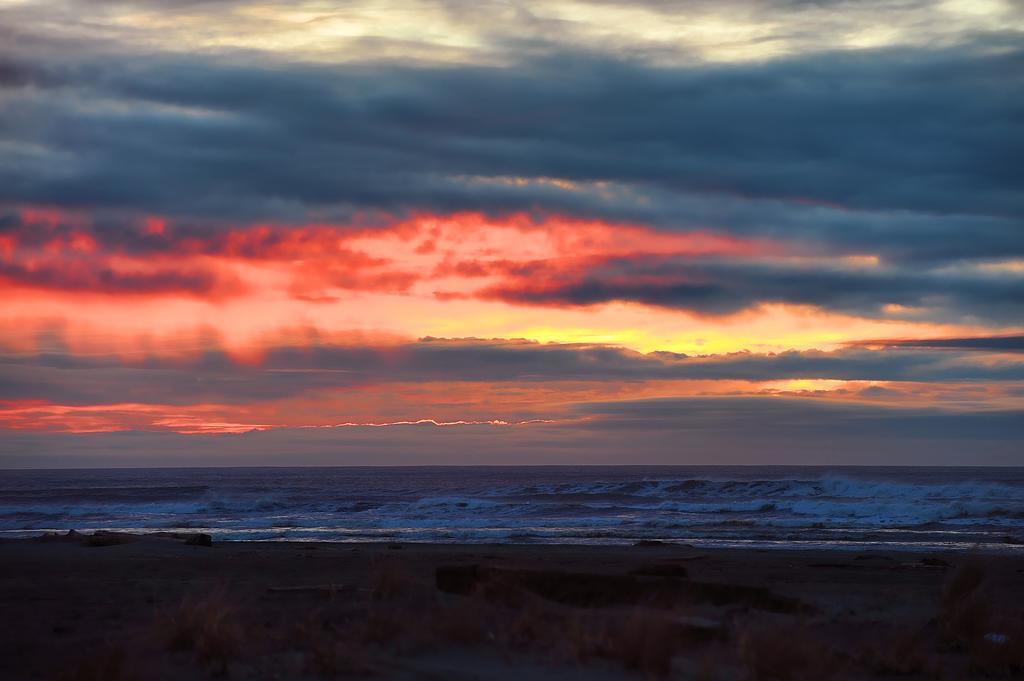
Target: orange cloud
[153, 286]
[444, 403]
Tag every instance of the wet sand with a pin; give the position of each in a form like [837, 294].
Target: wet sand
[119, 608]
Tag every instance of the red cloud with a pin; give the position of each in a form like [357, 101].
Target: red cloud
[70, 252]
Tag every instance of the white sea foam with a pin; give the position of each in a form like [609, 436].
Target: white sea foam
[777, 507]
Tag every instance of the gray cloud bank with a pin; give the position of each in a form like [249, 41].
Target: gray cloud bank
[910, 153]
[288, 372]
[727, 286]
[679, 431]
[936, 132]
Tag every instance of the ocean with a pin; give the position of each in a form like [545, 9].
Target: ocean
[977, 509]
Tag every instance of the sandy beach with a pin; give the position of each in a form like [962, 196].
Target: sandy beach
[120, 607]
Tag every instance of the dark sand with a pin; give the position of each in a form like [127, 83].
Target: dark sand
[156, 608]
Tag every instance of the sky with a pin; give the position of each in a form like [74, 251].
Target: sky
[511, 232]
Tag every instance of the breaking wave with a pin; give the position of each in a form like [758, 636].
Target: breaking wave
[926, 508]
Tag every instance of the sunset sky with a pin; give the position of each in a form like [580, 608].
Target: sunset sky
[520, 231]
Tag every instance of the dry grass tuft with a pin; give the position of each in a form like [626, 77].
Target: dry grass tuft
[1000, 650]
[391, 579]
[535, 625]
[209, 626]
[974, 620]
[467, 622]
[106, 663]
[403, 628]
[641, 640]
[645, 642]
[965, 610]
[329, 655]
[586, 636]
[397, 609]
[331, 648]
[899, 652]
[384, 626]
[787, 653]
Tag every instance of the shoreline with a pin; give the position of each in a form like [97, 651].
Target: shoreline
[151, 607]
[1006, 545]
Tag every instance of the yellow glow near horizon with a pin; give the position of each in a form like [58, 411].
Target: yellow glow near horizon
[430, 275]
[182, 326]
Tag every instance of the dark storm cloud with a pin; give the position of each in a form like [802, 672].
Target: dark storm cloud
[910, 154]
[730, 286]
[994, 343]
[287, 372]
[902, 133]
[679, 431]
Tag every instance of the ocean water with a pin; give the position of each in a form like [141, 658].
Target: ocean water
[785, 507]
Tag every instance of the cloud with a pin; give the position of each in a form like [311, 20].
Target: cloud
[74, 253]
[461, 31]
[909, 155]
[718, 286]
[92, 277]
[680, 431]
[16, 74]
[287, 372]
[523, 259]
[1004, 343]
[846, 157]
[795, 418]
[224, 132]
